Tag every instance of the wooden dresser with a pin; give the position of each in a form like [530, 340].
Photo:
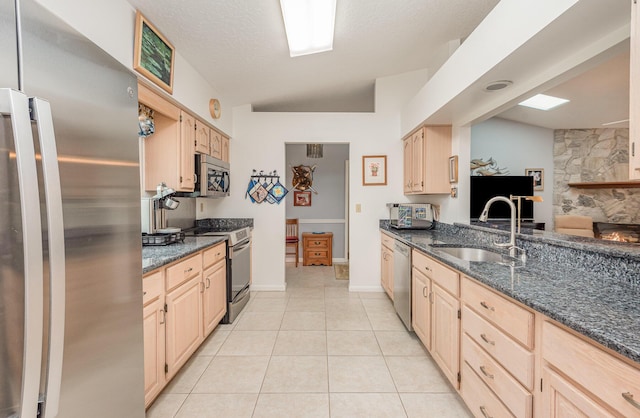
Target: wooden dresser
[317, 248]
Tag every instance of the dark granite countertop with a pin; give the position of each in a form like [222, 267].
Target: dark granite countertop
[157, 256]
[602, 304]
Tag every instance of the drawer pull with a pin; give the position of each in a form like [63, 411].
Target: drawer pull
[144, 293]
[164, 317]
[484, 372]
[427, 268]
[484, 412]
[189, 270]
[484, 305]
[486, 340]
[628, 396]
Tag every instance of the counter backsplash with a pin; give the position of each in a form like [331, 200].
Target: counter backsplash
[225, 223]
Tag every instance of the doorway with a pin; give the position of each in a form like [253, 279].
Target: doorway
[325, 207]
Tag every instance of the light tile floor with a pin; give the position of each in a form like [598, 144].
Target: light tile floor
[316, 350]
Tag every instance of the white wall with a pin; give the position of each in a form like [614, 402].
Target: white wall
[259, 143]
[110, 25]
[516, 146]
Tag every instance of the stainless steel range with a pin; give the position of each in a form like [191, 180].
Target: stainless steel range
[238, 266]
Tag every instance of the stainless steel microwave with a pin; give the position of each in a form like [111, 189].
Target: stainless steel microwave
[212, 176]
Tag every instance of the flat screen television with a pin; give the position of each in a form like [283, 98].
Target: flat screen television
[484, 188]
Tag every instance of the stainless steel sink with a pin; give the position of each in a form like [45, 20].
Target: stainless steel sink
[474, 254]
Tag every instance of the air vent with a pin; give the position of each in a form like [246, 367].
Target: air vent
[498, 85]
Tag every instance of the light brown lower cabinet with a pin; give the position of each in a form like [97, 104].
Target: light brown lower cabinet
[514, 362]
[154, 335]
[421, 307]
[183, 303]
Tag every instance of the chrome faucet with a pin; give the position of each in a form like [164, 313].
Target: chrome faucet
[511, 245]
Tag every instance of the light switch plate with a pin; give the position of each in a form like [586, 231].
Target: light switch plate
[358, 208]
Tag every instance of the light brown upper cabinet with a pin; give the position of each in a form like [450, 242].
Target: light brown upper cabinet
[634, 95]
[169, 152]
[202, 138]
[426, 160]
[216, 144]
[225, 149]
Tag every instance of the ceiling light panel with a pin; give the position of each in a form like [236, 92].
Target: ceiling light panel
[543, 102]
[309, 25]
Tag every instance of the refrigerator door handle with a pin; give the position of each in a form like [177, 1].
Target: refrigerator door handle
[16, 105]
[41, 113]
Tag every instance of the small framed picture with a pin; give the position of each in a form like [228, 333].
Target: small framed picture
[453, 169]
[301, 198]
[153, 54]
[538, 177]
[374, 170]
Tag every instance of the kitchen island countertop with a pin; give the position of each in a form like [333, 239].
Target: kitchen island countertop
[154, 257]
[603, 307]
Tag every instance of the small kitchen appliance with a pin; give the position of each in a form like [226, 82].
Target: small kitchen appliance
[412, 215]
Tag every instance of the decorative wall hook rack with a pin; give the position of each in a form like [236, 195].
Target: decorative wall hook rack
[265, 187]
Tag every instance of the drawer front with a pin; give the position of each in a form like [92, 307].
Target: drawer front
[448, 279]
[511, 318]
[514, 396]
[151, 287]
[313, 254]
[478, 397]
[600, 373]
[512, 356]
[213, 255]
[183, 271]
[318, 243]
[387, 241]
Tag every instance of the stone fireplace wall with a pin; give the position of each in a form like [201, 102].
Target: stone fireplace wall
[584, 155]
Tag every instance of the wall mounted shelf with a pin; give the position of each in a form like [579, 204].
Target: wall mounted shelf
[607, 184]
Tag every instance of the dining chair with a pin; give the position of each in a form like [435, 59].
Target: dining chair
[292, 239]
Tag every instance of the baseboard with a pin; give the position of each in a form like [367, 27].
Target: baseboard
[269, 288]
[372, 289]
[339, 260]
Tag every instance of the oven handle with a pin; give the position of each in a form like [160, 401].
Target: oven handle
[239, 248]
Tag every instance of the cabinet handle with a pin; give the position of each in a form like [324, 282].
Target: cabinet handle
[628, 396]
[486, 340]
[484, 412]
[427, 268]
[317, 243]
[190, 269]
[424, 291]
[484, 305]
[208, 283]
[484, 372]
[144, 293]
[202, 287]
[163, 318]
[431, 297]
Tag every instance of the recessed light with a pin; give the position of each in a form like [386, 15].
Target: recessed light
[498, 85]
[543, 102]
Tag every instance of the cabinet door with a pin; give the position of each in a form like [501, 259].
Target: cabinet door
[154, 338]
[421, 312]
[634, 95]
[184, 323]
[214, 297]
[445, 333]
[407, 157]
[216, 144]
[202, 138]
[560, 399]
[387, 271]
[187, 152]
[225, 149]
[417, 162]
[436, 152]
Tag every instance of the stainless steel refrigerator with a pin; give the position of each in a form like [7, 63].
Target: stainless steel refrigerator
[71, 340]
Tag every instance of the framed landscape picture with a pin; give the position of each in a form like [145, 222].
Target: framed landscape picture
[153, 54]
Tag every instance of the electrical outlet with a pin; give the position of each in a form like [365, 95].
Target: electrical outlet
[358, 208]
[454, 192]
[201, 207]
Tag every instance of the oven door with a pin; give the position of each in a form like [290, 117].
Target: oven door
[240, 268]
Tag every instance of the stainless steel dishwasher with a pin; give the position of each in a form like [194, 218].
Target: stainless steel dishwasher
[402, 282]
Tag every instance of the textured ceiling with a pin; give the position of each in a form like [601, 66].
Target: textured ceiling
[240, 47]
